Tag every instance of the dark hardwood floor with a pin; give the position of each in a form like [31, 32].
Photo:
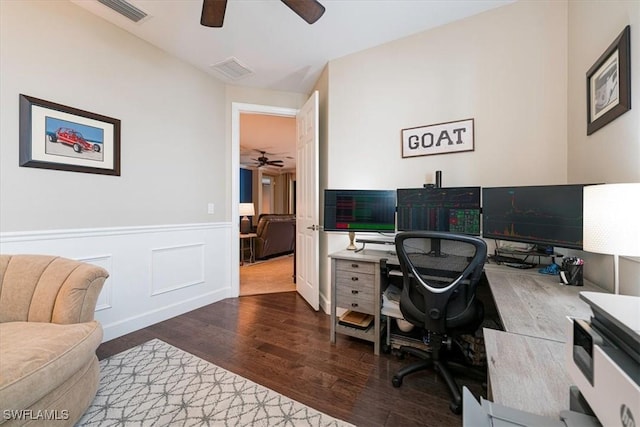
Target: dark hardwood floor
[276, 340]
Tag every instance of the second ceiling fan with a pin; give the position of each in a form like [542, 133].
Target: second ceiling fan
[263, 160]
[213, 11]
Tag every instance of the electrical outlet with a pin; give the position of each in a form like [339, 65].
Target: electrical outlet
[211, 208]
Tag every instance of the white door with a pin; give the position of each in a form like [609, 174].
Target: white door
[307, 217]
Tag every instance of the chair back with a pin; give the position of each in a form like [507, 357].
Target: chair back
[441, 271]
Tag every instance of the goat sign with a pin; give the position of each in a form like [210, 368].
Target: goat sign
[449, 137]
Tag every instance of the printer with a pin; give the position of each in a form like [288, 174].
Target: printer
[603, 359]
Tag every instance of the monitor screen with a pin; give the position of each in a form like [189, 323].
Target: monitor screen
[454, 209]
[544, 215]
[359, 210]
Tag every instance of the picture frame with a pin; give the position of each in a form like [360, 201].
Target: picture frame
[440, 138]
[609, 83]
[59, 137]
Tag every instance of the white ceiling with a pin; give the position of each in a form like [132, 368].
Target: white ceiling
[283, 51]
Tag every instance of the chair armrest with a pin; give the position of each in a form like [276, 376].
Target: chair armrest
[41, 288]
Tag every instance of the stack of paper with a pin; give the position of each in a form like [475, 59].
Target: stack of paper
[391, 302]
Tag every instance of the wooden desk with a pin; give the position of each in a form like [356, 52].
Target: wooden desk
[527, 373]
[526, 363]
[534, 304]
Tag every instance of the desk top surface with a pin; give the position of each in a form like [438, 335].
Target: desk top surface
[370, 255]
[535, 304]
[527, 373]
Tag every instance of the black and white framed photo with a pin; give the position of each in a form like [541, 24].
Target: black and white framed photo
[609, 83]
[55, 136]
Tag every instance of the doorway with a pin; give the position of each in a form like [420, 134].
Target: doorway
[275, 284]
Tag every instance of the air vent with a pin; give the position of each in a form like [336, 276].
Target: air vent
[125, 9]
[232, 69]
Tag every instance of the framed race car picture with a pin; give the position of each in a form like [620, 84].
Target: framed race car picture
[55, 136]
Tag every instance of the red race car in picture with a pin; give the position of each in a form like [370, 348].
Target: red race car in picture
[73, 138]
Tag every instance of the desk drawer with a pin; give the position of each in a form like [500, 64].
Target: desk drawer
[355, 266]
[357, 302]
[354, 290]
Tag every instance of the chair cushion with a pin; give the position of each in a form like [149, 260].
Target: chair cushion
[35, 358]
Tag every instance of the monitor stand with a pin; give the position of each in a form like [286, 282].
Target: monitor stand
[352, 238]
[374, 241]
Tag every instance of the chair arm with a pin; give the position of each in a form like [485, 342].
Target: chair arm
[41, 288]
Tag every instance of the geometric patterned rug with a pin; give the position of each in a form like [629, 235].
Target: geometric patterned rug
[156, 384]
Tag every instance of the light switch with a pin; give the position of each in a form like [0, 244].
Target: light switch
[210, 208]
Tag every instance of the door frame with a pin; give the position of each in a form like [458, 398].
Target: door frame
[236, 109]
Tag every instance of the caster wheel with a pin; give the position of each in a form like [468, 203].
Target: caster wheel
[455, 408]
[396, 381]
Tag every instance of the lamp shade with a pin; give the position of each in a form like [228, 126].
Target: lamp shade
[246, 209]
[611, 219]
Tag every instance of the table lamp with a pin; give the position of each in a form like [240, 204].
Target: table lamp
[611, 223]
[246, 210]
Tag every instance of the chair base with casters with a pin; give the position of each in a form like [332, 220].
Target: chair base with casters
[440, 272]
[445, 369]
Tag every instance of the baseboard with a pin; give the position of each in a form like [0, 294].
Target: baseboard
[125, 326]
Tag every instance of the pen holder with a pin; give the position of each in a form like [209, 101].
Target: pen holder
[571, 272]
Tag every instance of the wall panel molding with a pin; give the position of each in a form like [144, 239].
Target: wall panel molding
[104, 261]
[39, 235]
[155, 272]
[176, 267]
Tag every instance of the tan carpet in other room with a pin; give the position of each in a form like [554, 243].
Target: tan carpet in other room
[266, 277]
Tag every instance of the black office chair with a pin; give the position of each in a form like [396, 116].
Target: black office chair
[441, 271]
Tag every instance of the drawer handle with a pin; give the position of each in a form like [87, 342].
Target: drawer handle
[354, 292]
[354, 279]
[355, 265]
[354, 304]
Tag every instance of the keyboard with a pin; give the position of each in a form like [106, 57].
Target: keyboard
[521, 265]
[501, 259]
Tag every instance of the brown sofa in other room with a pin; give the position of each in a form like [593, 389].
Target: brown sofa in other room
[48, 339]
[276, 235]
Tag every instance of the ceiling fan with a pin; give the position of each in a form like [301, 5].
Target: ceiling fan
[213, 11]
[264, 161]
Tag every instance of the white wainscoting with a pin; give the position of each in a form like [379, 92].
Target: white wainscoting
[155, 272]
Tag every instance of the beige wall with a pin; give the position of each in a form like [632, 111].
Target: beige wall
[173, 121]
[612, 154]
[505, 68]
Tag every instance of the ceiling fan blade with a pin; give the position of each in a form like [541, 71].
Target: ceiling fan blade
[213, 13]
[309, 10]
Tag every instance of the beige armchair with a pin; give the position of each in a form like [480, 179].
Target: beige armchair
[48, 339]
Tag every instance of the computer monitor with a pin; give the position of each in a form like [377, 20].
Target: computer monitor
[546, 215]
[454, 209]
[359, 210]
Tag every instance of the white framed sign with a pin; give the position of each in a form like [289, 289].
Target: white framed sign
[441, 138]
